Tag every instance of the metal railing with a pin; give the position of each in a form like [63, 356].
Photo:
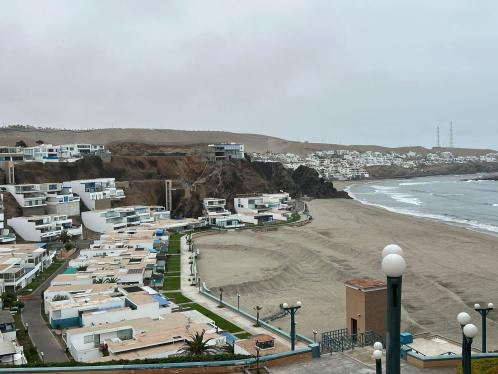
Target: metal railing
[340, 340]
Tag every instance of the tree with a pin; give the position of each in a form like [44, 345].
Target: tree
[64, 237]
[21, 143]
[111, 280]
[197, 346]
[98, 280]
[39, 142]
[8, 300]
[68, 246]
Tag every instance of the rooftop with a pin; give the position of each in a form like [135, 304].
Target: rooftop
[364, 284]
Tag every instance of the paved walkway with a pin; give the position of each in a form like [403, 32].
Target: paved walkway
[339, 363]
[38, 331]
[192, 292]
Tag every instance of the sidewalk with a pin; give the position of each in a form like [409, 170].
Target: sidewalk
[192, 292]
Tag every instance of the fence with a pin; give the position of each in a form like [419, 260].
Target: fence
[340, 340]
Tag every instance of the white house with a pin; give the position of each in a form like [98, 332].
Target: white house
[96, 193]
[265, 208]
[139, 338]
[217, 214]
[45, 227]
[10, 350]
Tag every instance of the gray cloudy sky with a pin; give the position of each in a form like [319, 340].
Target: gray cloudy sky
[357, 72]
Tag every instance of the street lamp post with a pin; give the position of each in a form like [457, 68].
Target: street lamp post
[292, 309]
[463, 319]
[483, 311]
[221, 298]
[238, 301]
[257, 308]
[470, 332]
[314, 335]
[393, 265]
[378, 357]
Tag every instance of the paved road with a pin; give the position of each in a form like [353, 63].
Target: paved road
[40, 334]
[338, 363]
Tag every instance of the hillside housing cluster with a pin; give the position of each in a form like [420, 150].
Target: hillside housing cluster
[108, 303]
[346, 164]
[50, 152]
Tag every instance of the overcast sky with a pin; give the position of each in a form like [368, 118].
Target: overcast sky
[381, 72]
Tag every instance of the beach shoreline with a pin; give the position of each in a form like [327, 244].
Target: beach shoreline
[449, 267]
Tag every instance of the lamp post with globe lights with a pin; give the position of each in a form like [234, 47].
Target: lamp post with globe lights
[470, 332]
[378, 357]
[483, 311]
[463, 319]
[393, 266]
[378, 361]
[292, 309]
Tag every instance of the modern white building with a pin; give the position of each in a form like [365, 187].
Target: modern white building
[96, 193]
[108, 220]
[265, 208]
[14, 154]
[5, 235]
[217, 214]
[140, 338]
[21, 263]
[50, 152]
[226, 151]
[45, 198]
[43, 227]
[10, 350]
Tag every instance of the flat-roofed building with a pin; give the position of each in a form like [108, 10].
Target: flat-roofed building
[10, 350]
[225, 151]
[217, 214]
[21, 263]
[96, 193]
[43, 227]
[138, 339]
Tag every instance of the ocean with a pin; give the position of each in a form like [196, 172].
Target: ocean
[454, 199]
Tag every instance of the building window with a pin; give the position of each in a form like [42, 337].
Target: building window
[88, 339]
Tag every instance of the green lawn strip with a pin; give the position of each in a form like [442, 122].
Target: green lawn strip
[220, 322]
[174, 243]
[242, 335]
[173, 263]
[178, 297]
[171, 283]
[30, 288]
[29, 349]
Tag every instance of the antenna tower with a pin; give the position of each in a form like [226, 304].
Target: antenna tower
[451, 134]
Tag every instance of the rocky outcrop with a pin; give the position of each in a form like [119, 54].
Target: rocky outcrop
[193, 178]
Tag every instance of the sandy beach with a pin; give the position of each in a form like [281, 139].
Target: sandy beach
[449, 268]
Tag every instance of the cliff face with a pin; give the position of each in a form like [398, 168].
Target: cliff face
[193, 178]
[382, 172]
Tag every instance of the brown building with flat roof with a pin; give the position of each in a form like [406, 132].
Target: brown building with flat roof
[366, 306]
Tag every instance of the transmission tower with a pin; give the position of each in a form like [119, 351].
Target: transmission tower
[451, 134]
[438, 139]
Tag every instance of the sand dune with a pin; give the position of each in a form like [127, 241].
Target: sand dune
[449, 268]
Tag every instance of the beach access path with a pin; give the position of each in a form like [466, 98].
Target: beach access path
[192, 292]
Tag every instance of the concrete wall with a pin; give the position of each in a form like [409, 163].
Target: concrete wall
[102, 204]
[34, 211]
[355, 308]
[68, 209]
[376, 311]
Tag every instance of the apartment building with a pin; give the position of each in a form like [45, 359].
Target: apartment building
[226, 151]
[96, 193]
[44, 198]
[5, 235]
[140, 338]
[43, 227]
[21, 263]
[217, 214]
[108, 220]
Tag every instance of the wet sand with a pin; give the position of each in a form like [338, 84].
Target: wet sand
[449, 268]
